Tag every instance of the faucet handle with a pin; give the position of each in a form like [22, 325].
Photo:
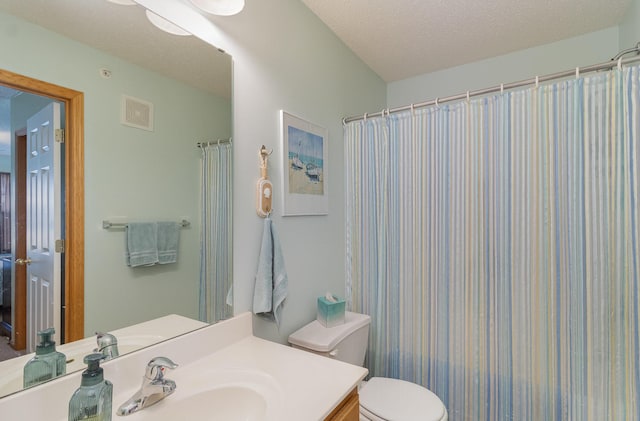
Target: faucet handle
[105, 339]
[107, 345]
[155, 368]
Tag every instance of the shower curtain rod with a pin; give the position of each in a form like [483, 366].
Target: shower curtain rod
[213, 142]
[616, 61]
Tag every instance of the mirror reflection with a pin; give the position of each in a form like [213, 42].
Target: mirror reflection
[133, 173]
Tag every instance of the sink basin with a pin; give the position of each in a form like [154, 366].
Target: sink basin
[217, 395]
[235, 403]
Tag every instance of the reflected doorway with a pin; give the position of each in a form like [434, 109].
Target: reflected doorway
[31, 212]
[73, 222]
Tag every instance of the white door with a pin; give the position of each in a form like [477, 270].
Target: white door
[43, 224]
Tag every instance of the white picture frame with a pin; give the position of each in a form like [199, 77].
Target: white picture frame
[304, 167]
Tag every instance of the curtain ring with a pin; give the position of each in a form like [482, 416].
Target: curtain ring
[620, 64]
[437, 106]
[501, 88]
[365, 117]
[577, 72]
[537, 82]
[413, 110]
[468, 97]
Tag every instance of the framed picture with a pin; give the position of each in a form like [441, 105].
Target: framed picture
[304, 170]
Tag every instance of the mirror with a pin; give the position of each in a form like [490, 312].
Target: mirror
[105, 51]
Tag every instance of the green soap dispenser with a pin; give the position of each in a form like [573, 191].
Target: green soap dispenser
[47, 363]
[92, 400]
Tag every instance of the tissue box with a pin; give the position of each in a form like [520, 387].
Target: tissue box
[330, 314]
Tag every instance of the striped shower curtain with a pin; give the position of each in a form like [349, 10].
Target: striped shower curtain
[216, 262]
[494, 242]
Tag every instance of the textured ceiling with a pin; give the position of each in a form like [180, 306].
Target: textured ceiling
[399, 39]
[125, 32]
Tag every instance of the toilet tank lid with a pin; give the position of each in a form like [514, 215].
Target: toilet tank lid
[318, 338]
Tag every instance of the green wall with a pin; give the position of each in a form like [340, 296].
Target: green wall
[130, 174]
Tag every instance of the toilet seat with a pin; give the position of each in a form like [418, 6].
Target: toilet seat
[398, 400]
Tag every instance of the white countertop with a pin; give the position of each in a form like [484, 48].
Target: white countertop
[300, 386]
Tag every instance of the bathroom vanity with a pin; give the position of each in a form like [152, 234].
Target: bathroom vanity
[224, 373]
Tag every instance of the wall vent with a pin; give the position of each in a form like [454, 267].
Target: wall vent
[137, 113]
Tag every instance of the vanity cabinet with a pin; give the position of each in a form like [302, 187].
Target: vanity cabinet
[347, 410]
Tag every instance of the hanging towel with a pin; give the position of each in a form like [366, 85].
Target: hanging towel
[168, 239]
[271, 278]
[142, 244]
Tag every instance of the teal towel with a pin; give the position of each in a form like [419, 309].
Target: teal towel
[168, 239]
[150, 243]
[271, 278]
[142, 244]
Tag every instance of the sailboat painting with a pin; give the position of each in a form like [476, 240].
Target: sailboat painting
[305, 170]
[305, 162]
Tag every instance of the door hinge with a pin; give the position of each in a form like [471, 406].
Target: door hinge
[60, 135]
[59, 246]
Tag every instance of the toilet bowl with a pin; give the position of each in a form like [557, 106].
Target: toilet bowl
[381, 398]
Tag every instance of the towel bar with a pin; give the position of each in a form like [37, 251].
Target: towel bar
[108, 224]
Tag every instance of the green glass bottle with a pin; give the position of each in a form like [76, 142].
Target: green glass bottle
[47, 363]
[92, 400]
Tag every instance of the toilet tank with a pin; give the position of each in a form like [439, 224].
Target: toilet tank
[346, 342]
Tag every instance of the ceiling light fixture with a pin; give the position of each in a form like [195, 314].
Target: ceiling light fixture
[183, 14]
[220, 7]
[165, 25]
[173, 15]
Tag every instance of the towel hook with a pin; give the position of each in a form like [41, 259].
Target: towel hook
[264, 156]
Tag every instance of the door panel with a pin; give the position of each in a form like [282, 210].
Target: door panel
[43, 223]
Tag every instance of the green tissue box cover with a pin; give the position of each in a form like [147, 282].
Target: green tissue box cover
[330, 314]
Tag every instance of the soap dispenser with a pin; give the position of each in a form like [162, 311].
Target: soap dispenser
[47, 363]
[92, 400]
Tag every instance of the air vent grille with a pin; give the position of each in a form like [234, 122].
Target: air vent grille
[137, 113]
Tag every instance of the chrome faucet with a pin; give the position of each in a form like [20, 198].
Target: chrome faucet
[107, 345]
[154, 387]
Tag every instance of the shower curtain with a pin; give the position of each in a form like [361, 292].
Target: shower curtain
[494, 242]
[216, 263]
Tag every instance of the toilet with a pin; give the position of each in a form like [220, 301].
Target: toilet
[381, 398]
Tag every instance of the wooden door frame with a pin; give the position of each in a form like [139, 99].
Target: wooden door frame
[74, 194]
